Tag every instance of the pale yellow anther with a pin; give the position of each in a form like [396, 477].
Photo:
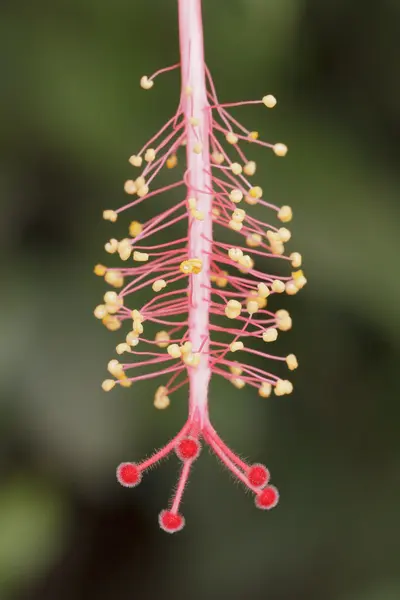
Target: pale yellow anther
[143, 191]
[250, 200]
[285, 214]
[150, 155]
[123, 347]
[221, 279]
[146, 83]
[235, 225]
[253, 240]
[125, 382]
[192, 203]
[270, 334]
[238, 215]
[198, 148]
[252, 307]
[235, 346]
[115, 368]
[263, 290]
[291, 361]
[114, 278]
[238, 383]
[135, 228]
[235, 254]
[135, 160]
[191, 359]
[269, 101]
[277, 248]
[100, 270]
[291, 288]
[186, 347]
[159, 285]
[110, 215]
[233, 309]
[140, 256]
[132, 338]
[254, 297]
[296, 259]
[162, 339]
[111, 297]
[215, 213]
[194, 121]
[280, 149]
[171, 161]
[284, 234]
[130, 187]
[198, 215]
[108, 385]
[124, 249]
[235, 369]
[111, 322]
[231, 138]
[246, 261]
[188, 90]
[236, 196]
[265, 389]
[273, 236]
[254, 135]
[137, 315]
[140, 181]
[236, 168]
[161, 399]
[174, 351]
[217, 158]
[283, 320]
[111, 246]
[299, 279]
[256, 192]
[100, 311]
[282, 387]
[250, 168]
[278, 286]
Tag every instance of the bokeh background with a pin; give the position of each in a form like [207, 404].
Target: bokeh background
[71, 114]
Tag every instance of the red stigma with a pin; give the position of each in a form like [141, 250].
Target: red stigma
[258, 475]
[267, 498]
[128, 474]
[188, 448]
[171, 522]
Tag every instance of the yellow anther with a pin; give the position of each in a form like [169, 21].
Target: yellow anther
[256, 192]
[253, 240]
[143, 191]
[100, 311]
[215, 213]
[115, 368]
[174, 351]
[108, 384]
[299, 279]
[198, 215]
[238, 383]
[252, 307]
[283, 320]
[285, 214]
[114, 278]
[162, 339]
[236, 196]
[235, 254]
[132, 338]
[238, 215]
[186, 348]
[140, 256]
[159, 285]
[269, 101]
[198, 148]
[192, 265]
[250, 200]
[171, 161]
[291, 361]
[110, 215]
[250, 168]
[124, 249]
[161, 399]
[130, 187]
[221, 279]
[253, 297]
[125, 382]
[111, 246]
[235, 225]
[217, 158]
[121, 348]
[146, 83]
[192, 203]
[194, 121]
[296, 258]
[253, 135]
[233, 309]
[135, 228]
[270, 334]
[284, 234]
[235, 346]
[135, 160]
[231, 138]
[280, 149]
[291, 288]
[282, 387]
[100, 270]
[246, 261]
[236, 168]
[150, 155]
[236, 369]
[111, 322]
[265, 389]
[263, 290]
[278, 286]
[185, 267]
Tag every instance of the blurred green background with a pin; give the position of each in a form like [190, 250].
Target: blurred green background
[71, 114]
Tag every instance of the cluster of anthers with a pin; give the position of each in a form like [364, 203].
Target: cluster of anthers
[199, 289]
